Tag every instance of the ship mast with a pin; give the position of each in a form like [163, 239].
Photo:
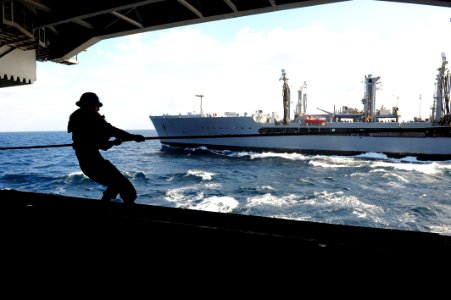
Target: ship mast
[369, 98]
[286, 98]
[201, 110]
[441, 97]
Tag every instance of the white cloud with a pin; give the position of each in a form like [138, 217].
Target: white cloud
[161, 72]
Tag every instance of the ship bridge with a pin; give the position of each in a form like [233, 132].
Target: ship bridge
[56, 30]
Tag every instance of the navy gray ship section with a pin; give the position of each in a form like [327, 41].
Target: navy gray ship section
[346, 131]
[245, 133]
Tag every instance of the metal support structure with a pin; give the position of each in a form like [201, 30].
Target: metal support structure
[301, 107]
[369, 98]
[286, 97]
[201, 110]
[191, 8]
[442, 96]
[127, 19]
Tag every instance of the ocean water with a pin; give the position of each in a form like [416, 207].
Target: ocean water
[368, 190]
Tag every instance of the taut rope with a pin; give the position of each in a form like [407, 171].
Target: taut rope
[146, 138]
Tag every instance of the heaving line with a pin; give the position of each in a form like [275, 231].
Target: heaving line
[146, 138]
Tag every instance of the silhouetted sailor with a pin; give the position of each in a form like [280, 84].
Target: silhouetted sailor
[90, 133]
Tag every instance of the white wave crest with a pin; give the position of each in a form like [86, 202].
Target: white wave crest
[264, 187]
[372, 155]
[202, 174]
[222, 204]
[289, 156]
[396, 176]
[323, 164]
[74, 177]
[183, 195]
[193, 197]
[359, 208]
[76, 174]
[441, 229]
[425, 168]
[269, 199]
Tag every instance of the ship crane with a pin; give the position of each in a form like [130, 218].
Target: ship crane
[329, 116]
[327, 112]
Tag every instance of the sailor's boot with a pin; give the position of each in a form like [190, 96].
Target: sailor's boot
[109, 194]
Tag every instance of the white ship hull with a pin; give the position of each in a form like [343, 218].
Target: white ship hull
[420, 139]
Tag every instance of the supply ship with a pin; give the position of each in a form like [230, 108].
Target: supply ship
[347, 131]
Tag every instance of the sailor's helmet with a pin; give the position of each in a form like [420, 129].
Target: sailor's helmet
[88, 99]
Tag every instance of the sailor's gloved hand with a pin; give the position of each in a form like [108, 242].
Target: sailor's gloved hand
[107, 145]
[116, 142]
[138, 138]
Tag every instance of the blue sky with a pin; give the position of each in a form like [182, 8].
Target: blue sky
[236, 65]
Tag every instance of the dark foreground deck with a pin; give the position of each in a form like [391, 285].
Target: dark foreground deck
[50, 229]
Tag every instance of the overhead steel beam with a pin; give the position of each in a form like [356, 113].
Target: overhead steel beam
[231, 5]
[127, 19]
[83, 23]
[100, 12]
[191, 8]
[36, 5]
